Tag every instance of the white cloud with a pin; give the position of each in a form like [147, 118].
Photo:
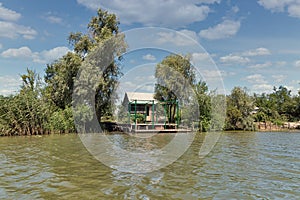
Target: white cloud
[212, 75]
[289, 51]
[189, 33]
[23, 52]
[199, 57]
[256, 78]
[274, 5]
[257, 52]
[128, 84]
[234, 59]
[296, 86]
[178, 38]
[226, 29]
[132, 61]
[8, 27]
[294, 10]
[243, 57]
[138, 84]
[262, 88]
[45, 56]
[149, 57]
[235, 9]
[281, 63]
[51, 55]
[228, 73]
[297, 63]
[208, 1]
[143, 79]
[54, 19]
[292, 7]
[12, 30]
[8, 15]
[295, 81]
[279, 78]
[9, 84]
[261, 65]
[155, 12]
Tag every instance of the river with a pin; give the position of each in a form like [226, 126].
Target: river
[250, 165]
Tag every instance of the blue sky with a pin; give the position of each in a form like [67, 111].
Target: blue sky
[253, 43]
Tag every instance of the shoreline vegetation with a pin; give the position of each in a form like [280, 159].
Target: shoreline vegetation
[44, 106]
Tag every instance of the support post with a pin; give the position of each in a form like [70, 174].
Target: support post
[145, 115]
[129, 112]
[152, 114]
[135, 122]
[165, 111]
[177, 113]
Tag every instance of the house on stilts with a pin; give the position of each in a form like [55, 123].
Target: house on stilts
[146, 114]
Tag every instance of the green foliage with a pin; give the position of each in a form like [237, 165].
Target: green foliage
[278, 106]
[123, 114]
[175, 78]
[218, 111]
[82, 115]
[60, 77]
[103, 26]
[27, 112]
[61, 121]
[204, 105]
[239, 108]
[39, 110]
[82, 43]
[140, 118]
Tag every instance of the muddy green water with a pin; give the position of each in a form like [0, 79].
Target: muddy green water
[241, 166]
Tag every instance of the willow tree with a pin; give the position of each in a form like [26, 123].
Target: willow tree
[60, 75]
[175, 79]
[60, 79]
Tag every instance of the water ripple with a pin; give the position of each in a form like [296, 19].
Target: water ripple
[241, 166]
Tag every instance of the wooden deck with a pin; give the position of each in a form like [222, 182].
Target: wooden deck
[162, 131]
[152, 128]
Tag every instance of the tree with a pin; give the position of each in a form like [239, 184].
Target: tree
[204, 105]
[61, 74]
[60, 77]
[267, 110]
[277, 107]
[239, 108]
[283, 101]
[37, 110]
[175, 80]
[296, 100]
[101, 27]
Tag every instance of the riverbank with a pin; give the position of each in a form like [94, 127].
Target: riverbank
[269, 126]
[113, 128]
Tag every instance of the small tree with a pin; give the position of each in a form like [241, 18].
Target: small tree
[204, 105]
[239, 108]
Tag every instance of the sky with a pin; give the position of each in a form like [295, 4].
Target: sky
[253, 44]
